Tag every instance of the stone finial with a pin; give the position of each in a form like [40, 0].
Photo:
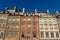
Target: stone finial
[15, 7]
[56, 11]
[47, 11]
[35, 10]
[23, 9]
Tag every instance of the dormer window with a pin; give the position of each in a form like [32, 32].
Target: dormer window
[34, 34]
[28, 14]
[24, 14]
[33, 14]
[22, 34]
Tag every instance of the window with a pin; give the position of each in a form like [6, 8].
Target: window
[41, 26]
[5, 17]
[45, 21]
[13, 20]
[2, 25]
[42, 35]
[18, 20]
[12, 27]
[33, 18]
[47, 34]
[51, 27]
[34, 34]
[33, 14]
[17, 26]
[41, 19]
[24, 18]
[55, 26]
[7, 34]
[9, 19]
[52, 34]
[28, 18]
[1, 34]
[22, 34]
[28, 34]
[58, 20]
[54, 19]
[23, 26]
[46, 27]
[28, 25]
[8, 26]
[16, 34]
[34, 25]
[57, 34]
[2, 18]
[50, 19]
[11, 34]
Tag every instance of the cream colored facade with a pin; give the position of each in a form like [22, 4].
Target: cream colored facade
[49, 29]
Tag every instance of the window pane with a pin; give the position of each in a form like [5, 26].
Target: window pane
[47, 34]
[42, 35]
[24, 18]
[41, 26]
[1, 34]
[11, 34]
[9, 19]
[57, 34]
[23, 26]
[7, 34]
[13, 20]
[5, 17]
[34, 25]
[28, 34]
[17, 20]
[8, 26]
[28, 25]
[16, 34]
[17, 26]
[52, 34]
[28, 18]
[34, 34]
[22, 34]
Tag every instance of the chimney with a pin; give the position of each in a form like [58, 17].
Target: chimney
[47, 11]
[35, 10]
[56, 11]
[23, 9]
[15, 7]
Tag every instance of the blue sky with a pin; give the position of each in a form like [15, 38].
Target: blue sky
[30, 5]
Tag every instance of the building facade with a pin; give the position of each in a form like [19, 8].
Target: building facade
[22, 25]
[49, 29]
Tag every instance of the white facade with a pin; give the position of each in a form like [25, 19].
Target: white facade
[48, 27]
